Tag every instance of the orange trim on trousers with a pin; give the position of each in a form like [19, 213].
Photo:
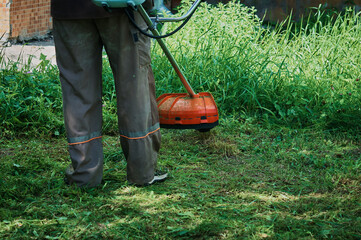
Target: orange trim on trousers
[84, 141]
[134, 138]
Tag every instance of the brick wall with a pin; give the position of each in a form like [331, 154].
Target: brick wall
[25, 19]
[4, 19]
[30, 18]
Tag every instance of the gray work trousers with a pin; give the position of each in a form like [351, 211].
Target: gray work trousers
[79, 45]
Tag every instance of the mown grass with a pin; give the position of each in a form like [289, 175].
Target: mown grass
[283, 164]
[242, 180]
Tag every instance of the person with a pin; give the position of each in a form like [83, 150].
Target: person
[81, 30]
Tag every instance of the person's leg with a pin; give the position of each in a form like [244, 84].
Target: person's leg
[79, 58]
[129, 55]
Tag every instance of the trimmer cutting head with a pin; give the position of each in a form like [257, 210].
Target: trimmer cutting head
[180, 111]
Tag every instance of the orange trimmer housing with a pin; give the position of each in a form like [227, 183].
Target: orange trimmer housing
[181, 111]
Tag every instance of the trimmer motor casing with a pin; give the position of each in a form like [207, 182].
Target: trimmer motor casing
[180, 111]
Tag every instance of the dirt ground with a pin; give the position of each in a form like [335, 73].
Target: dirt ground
[21, 52]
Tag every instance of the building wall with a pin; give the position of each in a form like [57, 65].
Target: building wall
[24, 19]
[278, 10]
[30, 18]
[4, 19]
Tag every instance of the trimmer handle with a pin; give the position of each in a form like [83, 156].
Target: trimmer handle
[170, 57]
[181, 18]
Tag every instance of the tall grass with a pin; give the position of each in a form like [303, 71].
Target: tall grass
[304, 74]
[30, 99]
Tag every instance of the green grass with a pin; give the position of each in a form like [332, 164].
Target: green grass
[283, 164]
[242, 180]
[294, 74]
[298, 74]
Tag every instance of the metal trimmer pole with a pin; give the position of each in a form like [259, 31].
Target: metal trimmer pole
[170, 57]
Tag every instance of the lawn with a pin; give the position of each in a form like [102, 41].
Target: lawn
[284, 163]
[242, 180]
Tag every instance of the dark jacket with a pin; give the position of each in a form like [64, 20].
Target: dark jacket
[76, 9]
[83, 9]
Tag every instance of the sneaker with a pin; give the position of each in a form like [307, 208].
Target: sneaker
[68, 171]
[66, 181]
[158, 177]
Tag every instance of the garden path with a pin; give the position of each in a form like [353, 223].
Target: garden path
[20, 52]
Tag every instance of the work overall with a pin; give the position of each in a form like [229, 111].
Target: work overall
[79, 45]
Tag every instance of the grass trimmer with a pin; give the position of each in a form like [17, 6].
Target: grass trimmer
[176, 110]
